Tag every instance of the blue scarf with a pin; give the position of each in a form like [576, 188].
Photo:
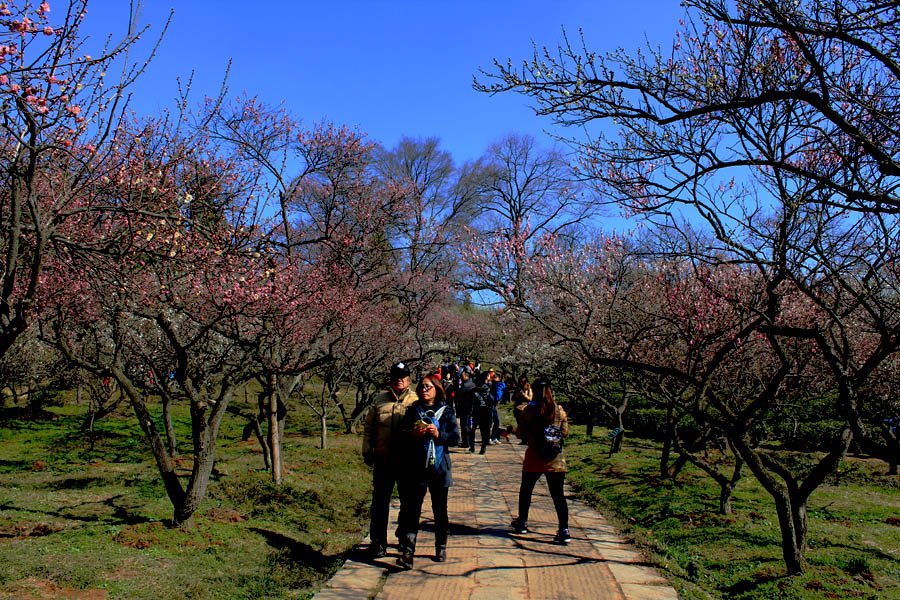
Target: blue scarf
[434, 453]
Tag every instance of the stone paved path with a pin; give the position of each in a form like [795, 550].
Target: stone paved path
[486, 561]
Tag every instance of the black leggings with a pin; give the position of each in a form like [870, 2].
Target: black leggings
[555, 481]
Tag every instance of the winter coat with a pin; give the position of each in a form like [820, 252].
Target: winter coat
[462, 401]
[497, 391]
[382, 424]
[412, 460]
[530, 428]
[520, 401]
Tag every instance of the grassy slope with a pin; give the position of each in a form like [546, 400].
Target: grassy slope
[96, 520]
[854, 548]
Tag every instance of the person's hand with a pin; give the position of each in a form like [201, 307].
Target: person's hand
[433, 430]
[419, 428]
[369, 459]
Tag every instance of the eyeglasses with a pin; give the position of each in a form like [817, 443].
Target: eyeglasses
[427, 387]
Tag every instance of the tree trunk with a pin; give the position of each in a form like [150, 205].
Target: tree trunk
[274, 437]
[97, 410]
[261, 438]
[89, 423]
[790, 495]
[792, 552]
[345, 418]
[323, 434]
[617, 441]
[667, 445]
[163, 460]
[727, 488]
[204, 459]
[170, 429]
[206, 430]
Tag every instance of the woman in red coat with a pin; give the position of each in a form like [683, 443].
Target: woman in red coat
[542, 458]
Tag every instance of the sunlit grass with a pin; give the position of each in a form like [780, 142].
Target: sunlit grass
[97, 519]
[854, 549]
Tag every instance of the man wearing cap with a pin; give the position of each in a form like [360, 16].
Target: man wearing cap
[378, 450]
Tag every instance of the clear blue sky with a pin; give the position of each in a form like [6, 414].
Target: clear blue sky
[390, 68]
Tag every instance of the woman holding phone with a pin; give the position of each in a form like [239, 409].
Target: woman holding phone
[429, 429]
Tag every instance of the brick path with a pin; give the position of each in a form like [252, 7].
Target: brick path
[486, 561]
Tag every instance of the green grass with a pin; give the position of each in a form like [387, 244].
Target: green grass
[854, 549]
[97, 520]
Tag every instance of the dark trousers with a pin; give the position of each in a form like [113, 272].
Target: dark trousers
[485, 423]
[384, 476]
[555, 482]
[412, 495]
[466, 430]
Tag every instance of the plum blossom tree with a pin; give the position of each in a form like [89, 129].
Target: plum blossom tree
[60, 111]
[773, 124]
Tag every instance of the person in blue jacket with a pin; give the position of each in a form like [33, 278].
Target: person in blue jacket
[498, 386]
[428, 430]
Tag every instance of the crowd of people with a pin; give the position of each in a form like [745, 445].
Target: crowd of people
[408, 435]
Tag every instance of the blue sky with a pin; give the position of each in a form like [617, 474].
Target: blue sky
[390, 68]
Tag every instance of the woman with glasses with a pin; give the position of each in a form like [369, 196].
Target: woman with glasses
[429, 429]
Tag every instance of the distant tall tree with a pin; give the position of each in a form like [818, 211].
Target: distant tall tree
[526, 192]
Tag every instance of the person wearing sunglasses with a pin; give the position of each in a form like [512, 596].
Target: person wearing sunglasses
[429, 429]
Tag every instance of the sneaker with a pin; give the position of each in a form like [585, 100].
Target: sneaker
[518, 526]
[377, 549]
[562, 537]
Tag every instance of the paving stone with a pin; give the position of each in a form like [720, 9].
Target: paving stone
[634, 591]
[494, 592]
[621, 555]
[501, 576]
[635, 574]
[502, 558]
[487, 562]
[359, 578]
[341, 594]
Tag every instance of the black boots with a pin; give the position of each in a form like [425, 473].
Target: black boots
[440, 546]
[377, 549]
[406, 559]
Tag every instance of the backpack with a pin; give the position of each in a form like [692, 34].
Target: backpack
[481, 397]
[549, 444]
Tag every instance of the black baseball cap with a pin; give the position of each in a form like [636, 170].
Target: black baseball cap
[399, 370]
